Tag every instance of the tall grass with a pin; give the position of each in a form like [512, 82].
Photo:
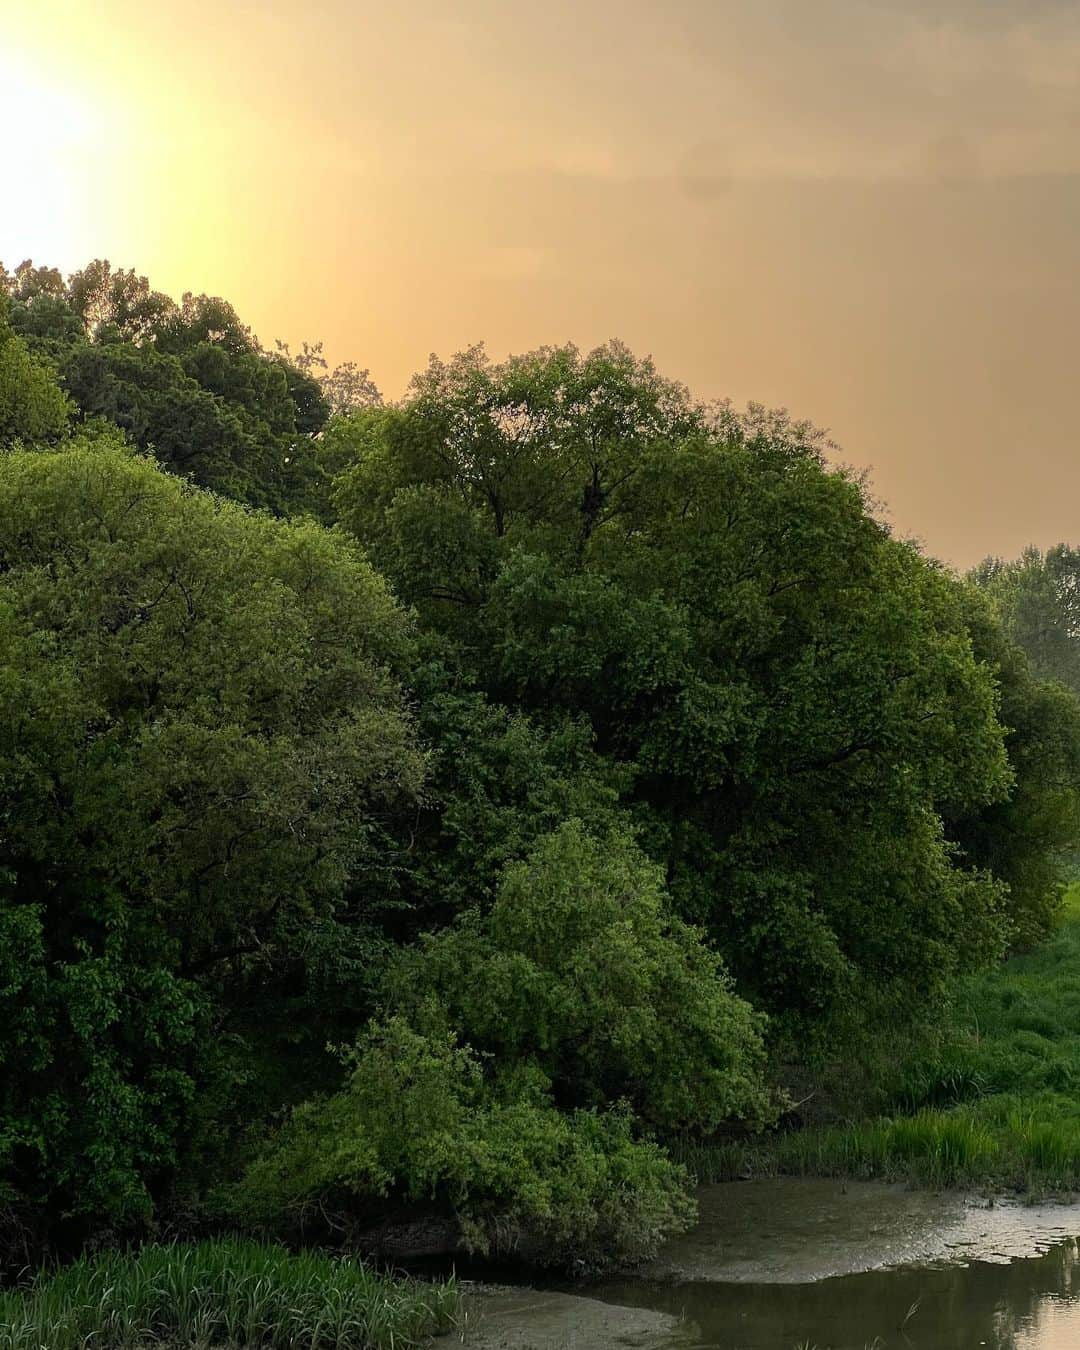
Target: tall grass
[1007, 1143]
[223, 1292]
[995, 1102]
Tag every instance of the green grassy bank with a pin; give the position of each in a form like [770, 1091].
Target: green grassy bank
[224, 1292]
[992, 1101]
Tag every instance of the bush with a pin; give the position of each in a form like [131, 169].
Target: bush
[418, 1123]
[580, 970]
[990, 1100]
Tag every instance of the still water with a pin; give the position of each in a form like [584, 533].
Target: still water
[783, 1263]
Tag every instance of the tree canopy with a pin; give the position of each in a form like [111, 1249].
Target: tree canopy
[1038, 600]
[32, 406]
[187, 381]
[201, 745]
[792, 695]
[578, 755]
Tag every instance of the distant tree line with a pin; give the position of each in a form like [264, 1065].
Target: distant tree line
[574, 753]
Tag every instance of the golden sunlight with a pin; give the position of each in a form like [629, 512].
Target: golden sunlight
[54, 133]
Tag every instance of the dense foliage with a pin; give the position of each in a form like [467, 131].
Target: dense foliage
[791, 696]
[989, 1100]
[419, 1123]
[654, 765]
[580, 971]
[1029, 838]
[187, 381]
[32, 407]
[1038, 599]
[199, 746]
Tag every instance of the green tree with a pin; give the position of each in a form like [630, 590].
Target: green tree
[1022, 617]
[116, 305]
[201, 747]
[346, 389]
[32, 406]
[1038, 598]
[187, 381]
[498, 780]
[790, 694]
[161, 408]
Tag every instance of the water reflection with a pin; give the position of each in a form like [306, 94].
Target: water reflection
[1031, 1304]
[777, 1263]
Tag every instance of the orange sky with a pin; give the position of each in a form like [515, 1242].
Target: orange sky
[865, 210]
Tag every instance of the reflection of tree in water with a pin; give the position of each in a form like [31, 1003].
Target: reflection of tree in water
[1052, 1318]
[1003, 1307]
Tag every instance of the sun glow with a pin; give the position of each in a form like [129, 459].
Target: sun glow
[52, 137]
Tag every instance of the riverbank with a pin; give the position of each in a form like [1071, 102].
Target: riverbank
[993, 1103]
[778, 1263]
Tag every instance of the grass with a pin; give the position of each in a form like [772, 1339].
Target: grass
[1001, 1142]
[994, 1103]
[223, 1292]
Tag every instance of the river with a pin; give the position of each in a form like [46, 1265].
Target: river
[785, 1263]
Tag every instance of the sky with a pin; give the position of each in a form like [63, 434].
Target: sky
[866, 211]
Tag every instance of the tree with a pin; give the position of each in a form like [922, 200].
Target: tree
[498, 1083]
[546, 438]
[32, 405]
[497, 782]
[28, 282]
[791, 694]
[201, 746]
[346, 389]
[117, 305]
[162, 409]
[418, 1125]
[1038, 598]
[1025, 623]
[187, 381]
[1030, 838]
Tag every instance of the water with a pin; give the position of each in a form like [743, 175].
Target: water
[1028, 1304]
[783, 1263]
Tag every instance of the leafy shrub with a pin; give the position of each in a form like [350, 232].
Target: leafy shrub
[989, 1100]
[580, 970]
[418, 1123]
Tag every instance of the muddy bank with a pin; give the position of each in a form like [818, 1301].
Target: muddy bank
[779, 1263]
[501, 1318]
[789, 1230]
